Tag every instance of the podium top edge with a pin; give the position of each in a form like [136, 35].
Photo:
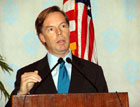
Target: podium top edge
[71, 94]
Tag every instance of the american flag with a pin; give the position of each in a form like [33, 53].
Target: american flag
[82, 40]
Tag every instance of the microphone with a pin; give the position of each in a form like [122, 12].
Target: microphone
[69, 61]
[38, 84]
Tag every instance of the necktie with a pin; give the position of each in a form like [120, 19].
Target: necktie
[63, 79]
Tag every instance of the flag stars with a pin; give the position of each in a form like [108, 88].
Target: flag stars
[88, 7]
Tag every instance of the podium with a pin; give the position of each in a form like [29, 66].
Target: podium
[71, 100]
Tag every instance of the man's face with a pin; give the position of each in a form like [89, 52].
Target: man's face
[56, 34]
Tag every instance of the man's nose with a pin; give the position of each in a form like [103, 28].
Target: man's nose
[59, 31]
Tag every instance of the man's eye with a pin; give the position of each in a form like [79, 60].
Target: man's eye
[64, 25]
[50, 29]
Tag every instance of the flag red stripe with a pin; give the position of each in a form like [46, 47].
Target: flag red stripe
[71, 15]
[84, 32]
[91, 40]
[72, 36]
[64, 1]
[76, 21]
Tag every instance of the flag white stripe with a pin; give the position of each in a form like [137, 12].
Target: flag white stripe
[87, 41]
[69, 5]
[72, 25]
[80, 14]
[94, 53]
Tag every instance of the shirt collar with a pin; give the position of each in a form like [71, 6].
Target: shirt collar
[52, 60]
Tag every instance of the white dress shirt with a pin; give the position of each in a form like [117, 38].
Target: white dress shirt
[52, 60]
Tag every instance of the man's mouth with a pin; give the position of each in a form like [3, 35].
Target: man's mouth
[61, 41]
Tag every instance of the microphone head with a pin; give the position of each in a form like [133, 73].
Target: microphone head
[60, 60]
[68, 60]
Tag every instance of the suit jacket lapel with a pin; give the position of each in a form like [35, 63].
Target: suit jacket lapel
[77, 80]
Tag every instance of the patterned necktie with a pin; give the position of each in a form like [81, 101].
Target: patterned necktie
[63, 79]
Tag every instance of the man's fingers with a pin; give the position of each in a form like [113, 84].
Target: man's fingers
[36, 71]
[38, 79]
[32, 75]
[28, 80]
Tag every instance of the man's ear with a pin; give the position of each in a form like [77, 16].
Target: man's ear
[42, 38]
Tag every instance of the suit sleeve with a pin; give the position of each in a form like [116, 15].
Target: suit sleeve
[16, 89]
[100, 81]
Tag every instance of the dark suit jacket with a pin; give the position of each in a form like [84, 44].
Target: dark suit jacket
[78, 83]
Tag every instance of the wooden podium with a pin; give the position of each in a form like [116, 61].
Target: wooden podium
[71, 100]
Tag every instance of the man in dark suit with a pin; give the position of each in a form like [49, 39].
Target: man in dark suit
[52, 26]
